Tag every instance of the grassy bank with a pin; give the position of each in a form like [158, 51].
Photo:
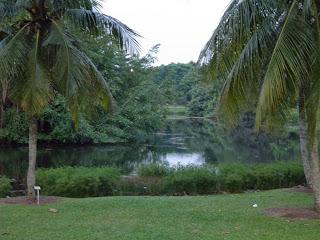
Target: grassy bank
[206, 217]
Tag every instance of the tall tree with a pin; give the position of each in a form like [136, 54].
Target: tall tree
[41, 56]
[267, 53]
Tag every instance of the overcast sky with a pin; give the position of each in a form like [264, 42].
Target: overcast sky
[182, 27]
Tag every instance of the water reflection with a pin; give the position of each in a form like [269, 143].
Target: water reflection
[181, 142]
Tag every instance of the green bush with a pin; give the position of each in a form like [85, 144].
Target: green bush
[154, 170]
[191, 180]
[78, 182]
[139, 186]
[238, 178]
[233, 178]
[279, 175]
[159, 180]
[5, 186]
[231, 183]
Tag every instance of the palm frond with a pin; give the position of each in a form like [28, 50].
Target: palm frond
[13, 51]
[36, 85]
[61, 69]
[236, 25]
[242, 80]
[289, 65]
[237, 51]
[75, 74]
[41, 56]
[62, 5]
[88, 88]
[97, 22]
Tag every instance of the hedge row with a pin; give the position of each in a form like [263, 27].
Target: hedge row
[162, 180]
[233, 178]
[78, 182]
[5, 186]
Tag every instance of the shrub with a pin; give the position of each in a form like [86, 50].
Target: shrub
[78, 182]
[232, 183]
[191, 180]
[237, 178]
[233, 178]
[5, 186]
[278, 175]
[158, 180]
[139, 186]
[154, 170]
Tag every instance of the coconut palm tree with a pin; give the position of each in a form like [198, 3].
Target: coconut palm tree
[266, 53]
[41, 56]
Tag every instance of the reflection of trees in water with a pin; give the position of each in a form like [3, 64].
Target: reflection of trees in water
[179, 137]
[124, 157]
[243, 144]
[13, 162]
[201, 136]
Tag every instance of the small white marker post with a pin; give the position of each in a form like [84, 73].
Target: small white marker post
[38, 188]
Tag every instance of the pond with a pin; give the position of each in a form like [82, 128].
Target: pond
[181, 141]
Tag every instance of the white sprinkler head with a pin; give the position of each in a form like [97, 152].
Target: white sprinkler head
[255, 205]
[37, 188]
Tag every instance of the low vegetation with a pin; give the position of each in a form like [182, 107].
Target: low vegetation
[5, 186]
[78, 182]
[163, 180]
[154, 170]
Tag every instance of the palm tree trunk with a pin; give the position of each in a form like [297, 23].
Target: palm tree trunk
[31, 177]
[309, 154]
[316, 174]
[304, 142]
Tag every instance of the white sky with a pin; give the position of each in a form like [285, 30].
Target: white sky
[182, 27]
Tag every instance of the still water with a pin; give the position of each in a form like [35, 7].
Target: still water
[183, 142]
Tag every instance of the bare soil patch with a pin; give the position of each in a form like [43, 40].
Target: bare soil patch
[292, 213]
[25, 201]
[301, 189]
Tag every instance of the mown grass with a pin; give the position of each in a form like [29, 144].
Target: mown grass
[204, 217]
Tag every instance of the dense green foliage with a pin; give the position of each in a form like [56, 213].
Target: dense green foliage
[233, 178]
[141, 186]
[238, 177]
[170, 77]
[175, 218]
[153, 170]
[78, 182]
[138, 109]
[192, 180]
[43, 40]
[184, 85]
[158, 180]
[5, 186]
[81, 59]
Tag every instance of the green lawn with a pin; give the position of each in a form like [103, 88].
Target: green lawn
[212, 217]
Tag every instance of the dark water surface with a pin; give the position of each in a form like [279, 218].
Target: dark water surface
[184, 142]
